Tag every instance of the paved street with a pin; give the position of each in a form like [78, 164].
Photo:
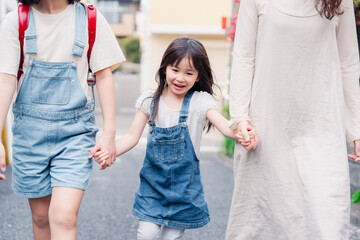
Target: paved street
[105, 213]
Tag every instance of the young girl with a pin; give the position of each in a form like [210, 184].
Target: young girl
[54, 109]
[170, 196]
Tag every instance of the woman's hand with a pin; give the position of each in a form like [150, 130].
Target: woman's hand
[247, 135]
[356, 154]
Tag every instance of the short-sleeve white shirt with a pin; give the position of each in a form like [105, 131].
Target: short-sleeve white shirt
[55, 40]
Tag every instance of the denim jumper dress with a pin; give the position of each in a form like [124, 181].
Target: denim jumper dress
[54, 124]
[171, 191]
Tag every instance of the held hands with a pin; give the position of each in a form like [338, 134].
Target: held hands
[356, 154]
[104, 151]
[102, 158]
[247, 135]
[2, 161]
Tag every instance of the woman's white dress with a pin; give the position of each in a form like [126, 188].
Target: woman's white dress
[295, 76]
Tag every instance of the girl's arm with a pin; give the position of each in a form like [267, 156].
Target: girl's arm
[131, 138]
[220, 122]
[106, 92]
[7, 89]
[126, 142]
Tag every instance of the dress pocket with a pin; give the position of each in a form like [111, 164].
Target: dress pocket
[169, 150]
[55, 90]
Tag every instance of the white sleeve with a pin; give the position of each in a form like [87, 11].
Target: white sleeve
[243, 65]
[9, 44]
[106, 50]
[204, 102]
[349, 60]
[144, 101]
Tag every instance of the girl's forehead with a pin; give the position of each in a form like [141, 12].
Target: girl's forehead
[185, 62]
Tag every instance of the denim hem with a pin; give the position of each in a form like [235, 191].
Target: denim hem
[32, 194]
[69, 185]
[171, 223]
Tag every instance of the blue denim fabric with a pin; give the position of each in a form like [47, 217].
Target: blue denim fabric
[171, 191]
[54, 125]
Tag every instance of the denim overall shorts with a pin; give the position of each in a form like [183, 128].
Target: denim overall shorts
[171, 191]
[54, 124]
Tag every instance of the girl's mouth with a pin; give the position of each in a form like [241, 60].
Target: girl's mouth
[178, 86]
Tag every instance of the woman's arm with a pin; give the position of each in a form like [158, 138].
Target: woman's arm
[243, 64]
[349, 60]
[7, 89]
[106, 92]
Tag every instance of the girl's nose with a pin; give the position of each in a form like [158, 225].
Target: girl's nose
[180, 77]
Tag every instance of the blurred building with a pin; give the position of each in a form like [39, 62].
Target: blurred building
[161, 21]
[121, 15]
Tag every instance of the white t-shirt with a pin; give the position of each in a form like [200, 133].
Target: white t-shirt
[55, 41]
[167, 117]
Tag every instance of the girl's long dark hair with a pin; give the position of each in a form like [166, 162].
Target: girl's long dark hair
[328, 8]
[179, 49]
[37, 1]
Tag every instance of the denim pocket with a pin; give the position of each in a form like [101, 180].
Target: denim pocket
[55, 90]
[169, 150]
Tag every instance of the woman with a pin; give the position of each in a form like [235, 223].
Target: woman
[295, 78]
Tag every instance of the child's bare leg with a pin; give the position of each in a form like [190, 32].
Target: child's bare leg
[63, 212]
[40, 217]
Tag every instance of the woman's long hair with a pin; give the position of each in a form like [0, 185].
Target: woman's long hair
[179, 49]
[328, 8]
[37, 1]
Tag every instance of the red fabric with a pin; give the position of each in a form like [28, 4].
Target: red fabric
[91, 12]
[23, 12]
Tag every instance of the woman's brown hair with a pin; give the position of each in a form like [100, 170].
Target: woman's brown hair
[328, 8]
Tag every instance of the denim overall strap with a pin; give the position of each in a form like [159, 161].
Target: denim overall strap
[80, 27]
[30, 34]
[152, 124]
[185, 107]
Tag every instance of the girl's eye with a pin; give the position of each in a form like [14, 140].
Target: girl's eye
[190, 74]
[175, 70]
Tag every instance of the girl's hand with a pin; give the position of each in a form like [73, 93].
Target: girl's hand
[247, 135]
[356, 154]
[101, 157]
[106, 143]
[2, 161]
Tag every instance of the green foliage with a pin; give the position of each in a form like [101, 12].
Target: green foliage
[131, 48]
[356, 3]
[229, 144]
[355, 197]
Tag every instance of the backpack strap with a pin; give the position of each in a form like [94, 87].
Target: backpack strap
[23, 12]
[91, 13]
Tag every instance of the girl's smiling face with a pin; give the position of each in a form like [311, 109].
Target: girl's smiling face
[181, 78]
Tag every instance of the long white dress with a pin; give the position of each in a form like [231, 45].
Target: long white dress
[295, 76]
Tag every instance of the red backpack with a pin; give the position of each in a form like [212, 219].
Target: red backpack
[23, 10]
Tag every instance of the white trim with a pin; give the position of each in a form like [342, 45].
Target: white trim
[186, 29]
